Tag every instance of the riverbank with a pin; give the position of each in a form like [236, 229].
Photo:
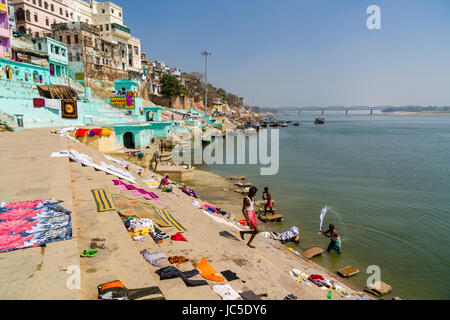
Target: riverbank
[42, 272]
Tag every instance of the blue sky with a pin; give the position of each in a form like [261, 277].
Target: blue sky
[304, 52]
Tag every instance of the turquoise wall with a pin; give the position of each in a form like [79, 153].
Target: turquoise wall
[21, 71]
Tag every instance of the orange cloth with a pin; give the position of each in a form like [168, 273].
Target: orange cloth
[208, 272]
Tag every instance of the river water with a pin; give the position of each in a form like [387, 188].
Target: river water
[386, 180]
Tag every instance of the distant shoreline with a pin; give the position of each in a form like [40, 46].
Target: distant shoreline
[428, 113]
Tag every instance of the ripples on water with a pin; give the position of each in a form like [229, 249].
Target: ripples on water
[386, 180]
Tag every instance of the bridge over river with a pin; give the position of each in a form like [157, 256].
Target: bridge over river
[347, 110]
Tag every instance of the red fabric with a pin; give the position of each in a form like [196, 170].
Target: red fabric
[81, 132]
[178, 237]
[38, 102]
[251, 215]
[316, 277]
[97, 132]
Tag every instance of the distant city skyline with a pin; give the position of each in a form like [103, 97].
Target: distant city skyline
[304, 53]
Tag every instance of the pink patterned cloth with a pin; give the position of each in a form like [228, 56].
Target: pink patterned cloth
[17, 226]
[19, 214]
[23, 205]
[13, 241]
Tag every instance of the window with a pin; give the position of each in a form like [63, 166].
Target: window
[120, 14]
[70, 56]
[40, 3]
[34, 1]
[60, 38]
[47, 21]
[45, 5]
[56, 50]
[101, 27]
[63, 52]
[39, 46]
[36, 17]
[107, 27]
[67, 14]
[112, 11]
[76, 38]
[52, 7]
[78, 56]
[103, 11]
[68, 39]
[60, 11]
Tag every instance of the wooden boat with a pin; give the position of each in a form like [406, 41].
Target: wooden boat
[275, 125]
[319, 121]
[285, 125]
[296, 124]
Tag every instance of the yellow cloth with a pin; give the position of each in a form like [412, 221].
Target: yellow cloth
[106, 132]
[145, 231]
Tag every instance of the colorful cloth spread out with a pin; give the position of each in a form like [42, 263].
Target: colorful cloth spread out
[107, 132]
[169, 219]
[32, 224]
[81, 132]
[130, 207]
[38, 103]
[69, 109]
[136, 191]
[103, 200]
[54, 104]
[208, 272]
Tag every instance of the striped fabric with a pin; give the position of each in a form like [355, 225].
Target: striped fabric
[166, 217]
[103, 200]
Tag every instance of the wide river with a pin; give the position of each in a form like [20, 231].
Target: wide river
[386, 180]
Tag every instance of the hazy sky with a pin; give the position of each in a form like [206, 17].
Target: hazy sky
[304, 52]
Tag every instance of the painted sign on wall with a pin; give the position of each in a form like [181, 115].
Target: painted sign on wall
[122, 103]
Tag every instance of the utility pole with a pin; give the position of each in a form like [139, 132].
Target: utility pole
[206, 54]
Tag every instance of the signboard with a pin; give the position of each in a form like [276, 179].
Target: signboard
[122, 103]
[79, 76]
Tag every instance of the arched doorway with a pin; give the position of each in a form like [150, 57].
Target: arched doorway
[128, 140]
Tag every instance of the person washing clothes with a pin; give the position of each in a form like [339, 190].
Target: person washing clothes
[164, 182]
[269, 204]
[335, 243]
[250, 215]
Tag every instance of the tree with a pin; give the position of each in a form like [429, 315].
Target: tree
[171, 87]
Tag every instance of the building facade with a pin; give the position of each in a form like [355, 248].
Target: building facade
[35, 17]
[89, 55]
[5, 34]
[57, 56]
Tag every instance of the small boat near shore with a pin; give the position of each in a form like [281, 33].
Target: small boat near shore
[296, 124]
[319, 121]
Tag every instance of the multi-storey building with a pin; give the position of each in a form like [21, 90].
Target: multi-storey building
[5, 34]
[89, 55]
[57, 56]
[36, 16]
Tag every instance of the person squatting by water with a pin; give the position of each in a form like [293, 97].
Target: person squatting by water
[164, 182]
[335, 243]
[269, 204]
[249, 213]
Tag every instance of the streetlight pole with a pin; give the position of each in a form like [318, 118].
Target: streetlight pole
[206, 54]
